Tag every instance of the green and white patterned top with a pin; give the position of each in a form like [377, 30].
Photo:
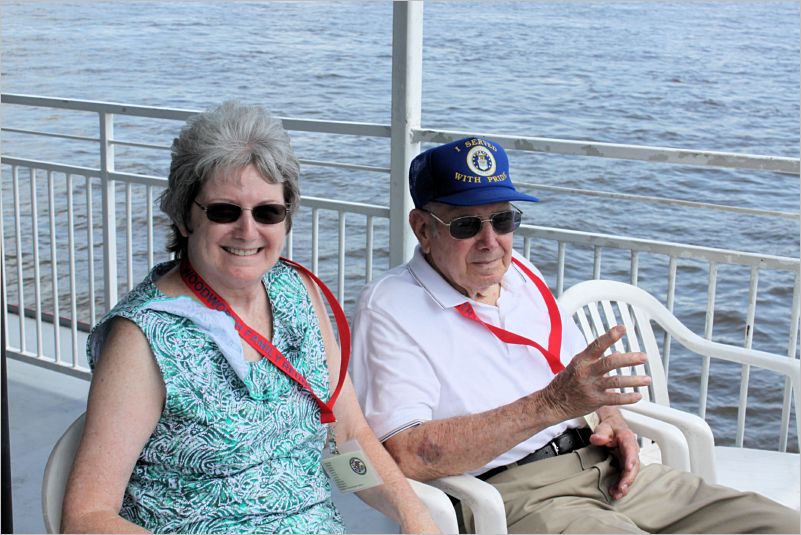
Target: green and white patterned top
[238, 444]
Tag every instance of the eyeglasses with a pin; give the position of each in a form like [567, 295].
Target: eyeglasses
[465, 227]
[223, 212]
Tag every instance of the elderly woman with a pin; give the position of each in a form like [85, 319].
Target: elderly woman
[189, 428]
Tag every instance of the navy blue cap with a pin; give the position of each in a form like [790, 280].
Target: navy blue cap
[467, 172]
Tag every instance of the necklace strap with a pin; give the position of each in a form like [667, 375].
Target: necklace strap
[554, 349]
[265, 347]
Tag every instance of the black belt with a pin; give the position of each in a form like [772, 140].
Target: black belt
[570, 440]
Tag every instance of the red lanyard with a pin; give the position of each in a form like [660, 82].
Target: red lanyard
[212, 299]
[554, 338]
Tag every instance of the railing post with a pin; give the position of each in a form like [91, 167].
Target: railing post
[109, 210]
[407, 84]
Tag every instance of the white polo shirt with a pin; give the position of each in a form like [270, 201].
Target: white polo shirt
[415, 358]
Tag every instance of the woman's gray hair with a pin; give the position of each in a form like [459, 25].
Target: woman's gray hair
[223, 140]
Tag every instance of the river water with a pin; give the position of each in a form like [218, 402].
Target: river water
[697, 75]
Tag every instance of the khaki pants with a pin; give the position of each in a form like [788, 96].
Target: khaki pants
[568, 494]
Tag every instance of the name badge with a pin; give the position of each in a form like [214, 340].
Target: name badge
[350, 468]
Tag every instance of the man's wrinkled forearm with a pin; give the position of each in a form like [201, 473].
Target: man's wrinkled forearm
[452, 446]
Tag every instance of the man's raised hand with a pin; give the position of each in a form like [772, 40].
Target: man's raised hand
[585, 384]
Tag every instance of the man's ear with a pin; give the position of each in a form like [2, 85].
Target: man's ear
[419, 220]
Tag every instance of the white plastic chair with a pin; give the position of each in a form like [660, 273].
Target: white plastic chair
[438, 504]
[56, 472]
[483, 500]
[59, 465]
[600, 304]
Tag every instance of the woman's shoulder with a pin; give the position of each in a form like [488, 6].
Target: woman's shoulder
[133, 306]
[136, 300]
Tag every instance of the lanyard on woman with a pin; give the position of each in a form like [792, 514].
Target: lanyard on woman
[554, 338]
[263, 346]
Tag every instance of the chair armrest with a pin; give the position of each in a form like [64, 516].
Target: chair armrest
[696, 431]
[438, 504]
[483, 499]
[672, 444]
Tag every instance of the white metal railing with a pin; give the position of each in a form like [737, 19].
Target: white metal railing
[344, 242]
[660, 155]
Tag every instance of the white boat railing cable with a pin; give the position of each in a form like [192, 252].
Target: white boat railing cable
[650, 199]
[384, 229]
[619, 151]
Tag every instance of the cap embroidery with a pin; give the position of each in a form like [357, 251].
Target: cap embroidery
[481, 161]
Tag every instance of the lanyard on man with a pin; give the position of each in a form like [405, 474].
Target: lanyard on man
[554, 349]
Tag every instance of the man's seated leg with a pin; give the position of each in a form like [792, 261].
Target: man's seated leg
[667, 500]
[569, 494]
[564, 494]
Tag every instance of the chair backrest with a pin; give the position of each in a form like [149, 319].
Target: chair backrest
[591, 302]
[56, 472]
[598, 305]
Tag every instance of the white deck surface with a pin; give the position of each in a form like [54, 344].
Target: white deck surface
[43, 403]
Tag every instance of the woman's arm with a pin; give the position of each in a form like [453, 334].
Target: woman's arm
[395, 498]
[125, 402]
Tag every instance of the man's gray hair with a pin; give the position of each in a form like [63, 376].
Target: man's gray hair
[223, 140]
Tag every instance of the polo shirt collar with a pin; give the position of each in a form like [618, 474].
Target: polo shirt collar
[446, 295]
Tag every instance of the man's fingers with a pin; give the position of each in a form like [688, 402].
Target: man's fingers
[602, 343]
[621, 360]
[626, 381]
[621, 398]
[629, 470]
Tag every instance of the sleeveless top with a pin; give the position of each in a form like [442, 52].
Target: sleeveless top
[238, 445]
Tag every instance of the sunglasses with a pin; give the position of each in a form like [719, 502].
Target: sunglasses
[223, 212]
[465, 227]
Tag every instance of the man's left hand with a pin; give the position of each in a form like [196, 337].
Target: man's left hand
[612, 432]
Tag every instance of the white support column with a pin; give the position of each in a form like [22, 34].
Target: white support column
[109, 211]
[407, 84]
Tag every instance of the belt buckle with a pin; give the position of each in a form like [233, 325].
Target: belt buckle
[554, 447]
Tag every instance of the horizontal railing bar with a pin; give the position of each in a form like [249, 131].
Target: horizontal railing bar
[84, 138]
[134, 178]
[532, 144]
[359, 208]
[139, 145]
[354, 167]
[49, 134]
[175, 114]
[585, 238]
[152, 112]
[662, 200]
[677, 250]
[524, 143]
[149, 179]
[85, 171]
[159, 181]
[337, 127]
[48, 318]
[51, 166]
[81, 373]
[620, 151]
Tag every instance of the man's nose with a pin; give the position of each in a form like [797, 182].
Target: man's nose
[486, 233]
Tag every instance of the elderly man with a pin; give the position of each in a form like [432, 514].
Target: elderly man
[464, 362]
